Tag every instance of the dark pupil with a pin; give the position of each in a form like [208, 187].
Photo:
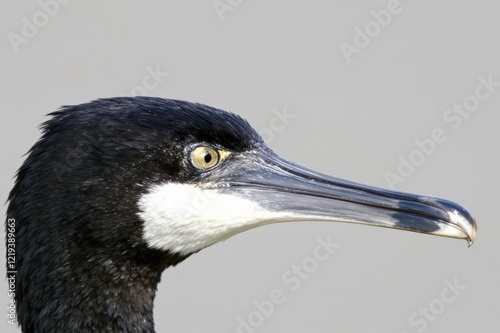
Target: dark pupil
[208, 157]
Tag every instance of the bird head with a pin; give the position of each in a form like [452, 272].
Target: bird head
[183, 176]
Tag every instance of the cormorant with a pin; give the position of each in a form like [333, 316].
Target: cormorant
[118, 189]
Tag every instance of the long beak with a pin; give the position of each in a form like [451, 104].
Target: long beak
[301, 194]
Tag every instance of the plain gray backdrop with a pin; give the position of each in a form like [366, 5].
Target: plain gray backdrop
[354, 117]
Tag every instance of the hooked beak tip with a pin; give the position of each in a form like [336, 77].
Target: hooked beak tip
[464, 220]
[460, 218]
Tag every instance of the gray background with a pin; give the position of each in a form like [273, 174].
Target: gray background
[352, 120]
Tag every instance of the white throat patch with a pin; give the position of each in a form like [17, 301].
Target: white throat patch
[184, 218]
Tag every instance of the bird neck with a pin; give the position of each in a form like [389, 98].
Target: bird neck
[106, 296]
[117, 302]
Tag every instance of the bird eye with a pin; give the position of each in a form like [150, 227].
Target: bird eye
[205, 157]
